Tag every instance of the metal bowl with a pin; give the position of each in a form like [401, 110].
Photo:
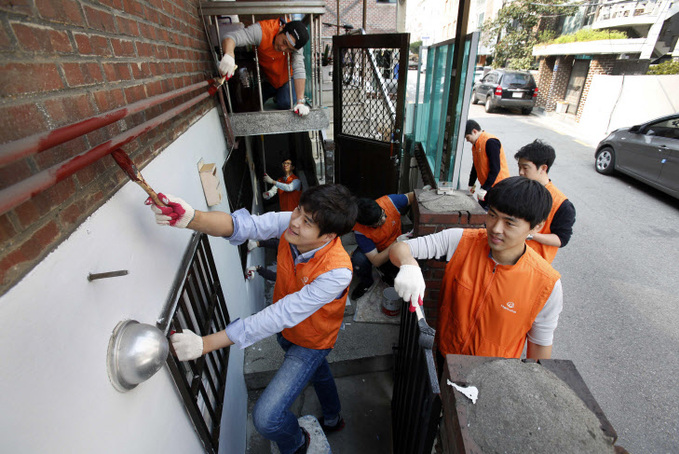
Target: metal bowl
[136, 352]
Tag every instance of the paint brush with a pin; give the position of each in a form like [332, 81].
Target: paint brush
[134, 174]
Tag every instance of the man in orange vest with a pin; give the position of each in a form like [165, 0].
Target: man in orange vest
[314, 273]
[535, 160]
[496, 293]
[489, 161]
[288, 187]
[378, 226]
[275, 40]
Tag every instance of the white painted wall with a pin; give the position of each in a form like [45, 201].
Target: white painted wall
[55, 394]
[617, 101]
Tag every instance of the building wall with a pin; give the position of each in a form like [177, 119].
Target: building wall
[600, 64]
[65, 61]
[54, 389]
[544, 80]
[561, 74]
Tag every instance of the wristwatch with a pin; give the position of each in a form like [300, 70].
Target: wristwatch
[529, 237]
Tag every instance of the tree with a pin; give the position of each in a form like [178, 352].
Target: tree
[520, 25]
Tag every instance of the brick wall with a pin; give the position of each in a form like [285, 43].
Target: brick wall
[381, 17]
[545, 75]
[67, 60]
[426, 222]
[600, 64]
[557, 90]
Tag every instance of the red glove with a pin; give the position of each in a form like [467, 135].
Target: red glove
[177, 213]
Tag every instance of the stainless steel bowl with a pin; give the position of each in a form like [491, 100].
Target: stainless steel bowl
[136, 352]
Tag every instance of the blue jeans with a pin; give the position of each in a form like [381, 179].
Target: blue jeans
[282, 95]
[272, 416]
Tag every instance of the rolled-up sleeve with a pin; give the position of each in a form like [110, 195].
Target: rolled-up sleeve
[436, 245]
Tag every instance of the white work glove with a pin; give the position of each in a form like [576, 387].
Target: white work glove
[252, 244]
[472, 189]
[187, 345]
[268, 179]
[481, 194]
[227, 66]
[404, 237]
[177, 213]
[409, 284]
[267, 195]
[251, 272]
[301, 109]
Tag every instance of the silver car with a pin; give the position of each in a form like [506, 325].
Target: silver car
[648, 152]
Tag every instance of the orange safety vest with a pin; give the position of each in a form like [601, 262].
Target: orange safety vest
[288, 200]
[318, 331]
[384, 235]
[549, 252]
[480, 159]
[486, 309]
[273, 63]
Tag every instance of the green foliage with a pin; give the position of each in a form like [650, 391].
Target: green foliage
[516, 29]
[587, 34]
[415, 47]
[546, 36]
[668, 67]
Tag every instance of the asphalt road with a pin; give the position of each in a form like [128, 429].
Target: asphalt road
[620, 273]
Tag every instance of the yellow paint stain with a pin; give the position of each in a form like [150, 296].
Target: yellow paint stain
[582, 143]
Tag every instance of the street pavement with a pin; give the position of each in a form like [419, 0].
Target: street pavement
[620, 322]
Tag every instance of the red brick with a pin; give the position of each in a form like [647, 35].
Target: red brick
[117, 71]
[134, 94]
[66, 110]
[59, 154]
[90, 173]
[79, 74]
[68, 217]
[20, 78]
[100, 19]
[83, 43]
[17, 122]
[127, 26]
[109, 99]
[14, 172]
[133, 7]
[93, 45]
[30, 211]
[115, 4]
[9, 265]
[146, 31]
[41, 39]
[63, 11]
[144, 49]
[140, 70]
[123, 48]
[40, 241]
[7, 230]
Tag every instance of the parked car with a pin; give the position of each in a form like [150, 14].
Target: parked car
[648, 152]
[506, 88]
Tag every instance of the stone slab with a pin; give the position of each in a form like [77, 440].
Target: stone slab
[369, 307]
[277, 122]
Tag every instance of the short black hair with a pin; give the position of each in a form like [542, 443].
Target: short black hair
[471, 125]
[537, 152]
[297, 30]
[332, 207]
[521, 197]
[369, 212]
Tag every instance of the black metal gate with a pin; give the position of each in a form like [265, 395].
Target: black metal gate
[369, 89]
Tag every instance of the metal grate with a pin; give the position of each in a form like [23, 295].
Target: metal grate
[416, 401]
[201, 308]
[369, 88]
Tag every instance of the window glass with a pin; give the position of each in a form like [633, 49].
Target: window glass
[517, 80]
[668, 128]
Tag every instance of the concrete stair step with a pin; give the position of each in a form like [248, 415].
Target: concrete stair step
[360, 348]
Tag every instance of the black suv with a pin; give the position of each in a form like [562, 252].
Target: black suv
[506, 88]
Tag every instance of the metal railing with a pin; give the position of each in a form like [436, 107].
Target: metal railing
[18, 193]
[416, 401]
[197, 303]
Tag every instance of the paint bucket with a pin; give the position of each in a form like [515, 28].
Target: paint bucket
[391, 304]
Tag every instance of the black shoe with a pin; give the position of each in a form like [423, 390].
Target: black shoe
[360, 290]
[307, 440]
[336, 428]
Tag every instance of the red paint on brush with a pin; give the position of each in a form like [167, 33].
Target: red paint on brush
[126, 164]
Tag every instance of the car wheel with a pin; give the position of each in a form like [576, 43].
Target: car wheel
[526, 110]
[489, 106]
[475, 100]
[605, 160]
